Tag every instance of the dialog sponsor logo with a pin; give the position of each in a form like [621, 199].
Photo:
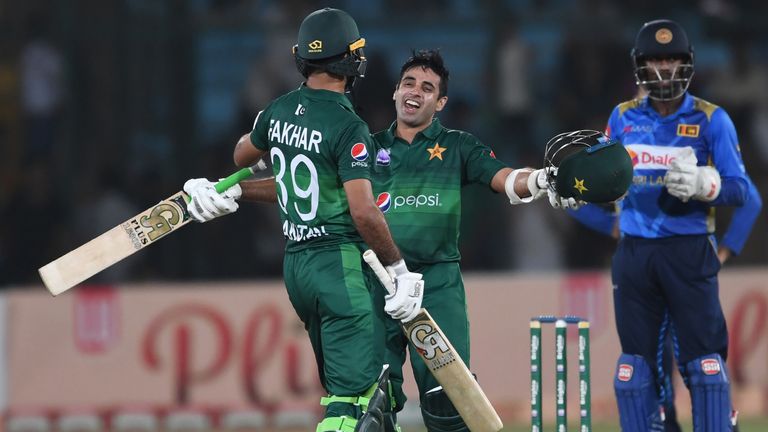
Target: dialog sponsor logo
[646, 156]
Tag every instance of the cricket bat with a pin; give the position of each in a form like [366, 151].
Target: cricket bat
[444, 362]
[127, 238]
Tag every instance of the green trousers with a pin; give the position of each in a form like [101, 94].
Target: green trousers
[339, 301]
[445, 300]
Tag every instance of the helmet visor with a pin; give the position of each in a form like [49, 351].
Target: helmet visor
[664, 83]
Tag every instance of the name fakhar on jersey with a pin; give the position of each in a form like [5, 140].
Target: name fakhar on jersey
[294, 136]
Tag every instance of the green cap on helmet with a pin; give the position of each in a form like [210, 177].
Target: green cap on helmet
[326, 33]
[329, 41]
[590, 166]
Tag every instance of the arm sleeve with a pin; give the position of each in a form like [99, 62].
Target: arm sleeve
[260, 132]
[742, 220]
[595, 217]
[480, 163]
[358, 166]
[726, 157]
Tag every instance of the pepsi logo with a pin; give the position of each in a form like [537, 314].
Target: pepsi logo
[625, 372]
[710, 366]
[384, 201]
[359, 152]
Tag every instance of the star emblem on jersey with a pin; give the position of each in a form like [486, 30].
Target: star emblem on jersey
[436, 151]
[579, 185]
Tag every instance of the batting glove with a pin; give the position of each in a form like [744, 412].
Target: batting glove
[404, 304]
[207, 204]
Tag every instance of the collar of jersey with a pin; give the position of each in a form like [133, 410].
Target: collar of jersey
[431, 132]
[685, 108]
[325, 95]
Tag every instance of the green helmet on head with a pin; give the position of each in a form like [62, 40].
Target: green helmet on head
[588, 166]
[330, 41]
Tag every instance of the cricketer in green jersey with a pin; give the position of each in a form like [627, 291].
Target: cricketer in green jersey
[419, 171]
[321, 156]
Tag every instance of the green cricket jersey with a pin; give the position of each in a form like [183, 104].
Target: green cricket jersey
[418, 187]
[316, 143]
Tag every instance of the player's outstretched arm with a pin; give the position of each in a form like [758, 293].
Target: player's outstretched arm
[525, 185]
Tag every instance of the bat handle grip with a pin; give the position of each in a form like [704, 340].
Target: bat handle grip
[373, 261]
[238, 177]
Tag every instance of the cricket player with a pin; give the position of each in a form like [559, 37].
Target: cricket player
[603, 220]
[419, 172]
[322, 154]
[686, 161]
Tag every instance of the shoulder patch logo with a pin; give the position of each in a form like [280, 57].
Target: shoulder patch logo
[436, 151]
[359, 152]
[689, 131]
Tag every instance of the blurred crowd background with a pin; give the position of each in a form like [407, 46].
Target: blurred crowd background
[106, 107]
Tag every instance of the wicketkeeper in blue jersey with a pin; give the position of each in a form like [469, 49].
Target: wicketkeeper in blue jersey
[686, 162]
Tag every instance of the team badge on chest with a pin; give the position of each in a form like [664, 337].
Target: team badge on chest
[436, 151]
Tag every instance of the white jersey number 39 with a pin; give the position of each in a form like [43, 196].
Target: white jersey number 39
[311, 193]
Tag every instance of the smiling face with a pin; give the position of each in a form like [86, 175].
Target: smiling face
[417, 97]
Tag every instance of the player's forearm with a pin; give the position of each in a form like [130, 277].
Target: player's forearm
[733, 192]
[372, 226]
[521, 182]
[742, 221]
[262, 190]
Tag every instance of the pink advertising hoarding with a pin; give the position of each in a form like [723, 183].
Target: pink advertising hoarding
[235, 344]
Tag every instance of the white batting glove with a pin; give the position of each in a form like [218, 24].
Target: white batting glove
[405, 303]
[206, 203]
[686, 180]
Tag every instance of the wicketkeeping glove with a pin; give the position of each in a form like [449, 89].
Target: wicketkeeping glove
[405, 303]
[686, 180]
[206, 203]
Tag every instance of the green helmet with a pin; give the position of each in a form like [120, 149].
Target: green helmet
[330, 41]
[588, 166]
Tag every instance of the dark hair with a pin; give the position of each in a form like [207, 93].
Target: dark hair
[428, 59]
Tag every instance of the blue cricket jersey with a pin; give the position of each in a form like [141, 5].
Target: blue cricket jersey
[653, 142]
